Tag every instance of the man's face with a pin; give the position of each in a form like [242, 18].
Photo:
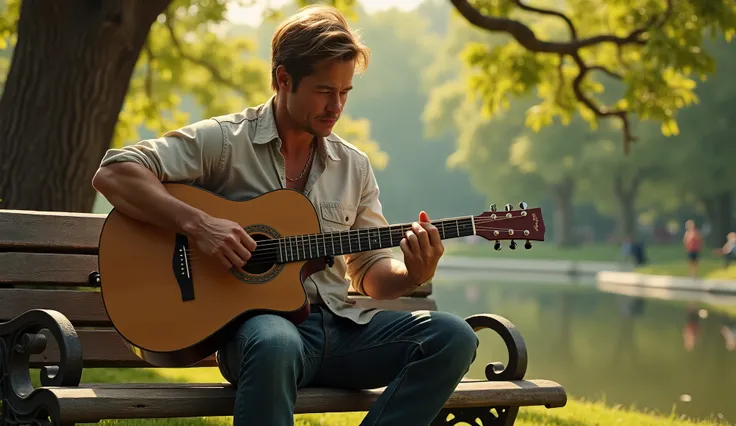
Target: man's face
[317, 104]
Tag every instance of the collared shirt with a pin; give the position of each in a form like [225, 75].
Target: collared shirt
[237, 156]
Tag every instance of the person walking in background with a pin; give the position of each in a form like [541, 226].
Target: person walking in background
[693, 241]
[728, 251]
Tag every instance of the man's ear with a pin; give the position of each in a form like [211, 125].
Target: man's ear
[283, 79]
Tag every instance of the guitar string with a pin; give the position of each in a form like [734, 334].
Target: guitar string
[269, 253]
[352, 236]
[382, 230]
[272, 246]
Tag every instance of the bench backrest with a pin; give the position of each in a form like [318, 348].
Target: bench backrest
[45, 262]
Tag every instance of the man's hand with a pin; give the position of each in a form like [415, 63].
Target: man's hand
[225, 241]
[422, 249]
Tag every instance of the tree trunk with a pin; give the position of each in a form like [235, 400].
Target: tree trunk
[68, 78]
[626, 200]
[563, 193]
[719, 209]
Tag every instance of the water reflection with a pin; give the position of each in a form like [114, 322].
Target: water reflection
[654, 353]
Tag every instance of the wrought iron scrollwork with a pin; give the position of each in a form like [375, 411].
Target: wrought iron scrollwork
[494, 371]
[21, 338]
[477, 416]
[516, 368]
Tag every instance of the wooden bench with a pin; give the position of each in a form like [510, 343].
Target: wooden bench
[52, 318]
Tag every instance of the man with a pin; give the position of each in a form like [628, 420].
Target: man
[288, 142]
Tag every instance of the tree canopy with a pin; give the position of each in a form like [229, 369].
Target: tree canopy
[655, 48]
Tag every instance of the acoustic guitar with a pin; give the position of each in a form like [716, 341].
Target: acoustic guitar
[174, 306]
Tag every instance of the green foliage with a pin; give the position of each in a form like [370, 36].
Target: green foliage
[357, 132]
[192, 67]
[659, 76]
[186, 58]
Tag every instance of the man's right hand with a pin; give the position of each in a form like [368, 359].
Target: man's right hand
[225, 241]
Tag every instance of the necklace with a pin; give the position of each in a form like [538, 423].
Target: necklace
[306, 166]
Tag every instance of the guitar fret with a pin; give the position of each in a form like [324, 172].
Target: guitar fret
[311, 246]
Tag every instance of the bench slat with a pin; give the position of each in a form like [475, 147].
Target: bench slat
[60, 232]
[102, 349]
[72, 270]
[127, 401]
[85, 308]
[46, 268]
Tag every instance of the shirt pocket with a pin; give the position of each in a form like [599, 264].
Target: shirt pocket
[337, 216]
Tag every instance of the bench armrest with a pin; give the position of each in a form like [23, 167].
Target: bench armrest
[20, 338]
[514, 343]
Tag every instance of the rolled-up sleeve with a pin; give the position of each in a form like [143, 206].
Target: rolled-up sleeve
[190, 153]
[370, 214]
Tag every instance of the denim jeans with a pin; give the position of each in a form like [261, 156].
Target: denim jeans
[419, 356]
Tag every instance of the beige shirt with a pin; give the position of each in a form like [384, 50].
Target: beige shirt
[238, 157]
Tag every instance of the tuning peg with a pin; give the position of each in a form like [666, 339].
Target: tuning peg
[508, 207]
[523, 205]
[512, 245]
[528, 245]
[497, 246]
[493, 207]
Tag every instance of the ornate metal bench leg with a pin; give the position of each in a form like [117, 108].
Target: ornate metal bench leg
[495, 371]
[19, 339]
[514, 344]
[477, 416]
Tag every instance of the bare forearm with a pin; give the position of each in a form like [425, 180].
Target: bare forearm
[136, 192]
[387, 279]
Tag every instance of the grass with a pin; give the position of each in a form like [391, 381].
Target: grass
[575, 413]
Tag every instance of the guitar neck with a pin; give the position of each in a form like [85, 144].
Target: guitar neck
[313, 246]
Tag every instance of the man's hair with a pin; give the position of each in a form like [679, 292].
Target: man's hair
[314, 34]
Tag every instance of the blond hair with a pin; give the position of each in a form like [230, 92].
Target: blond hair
[314, 34]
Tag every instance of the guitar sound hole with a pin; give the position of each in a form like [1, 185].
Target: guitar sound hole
[255, 267]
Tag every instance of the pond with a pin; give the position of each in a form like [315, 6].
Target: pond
[644, 352]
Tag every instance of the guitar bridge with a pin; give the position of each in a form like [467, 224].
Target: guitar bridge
[183, 267]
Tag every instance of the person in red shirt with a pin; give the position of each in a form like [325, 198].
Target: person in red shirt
[693, 242]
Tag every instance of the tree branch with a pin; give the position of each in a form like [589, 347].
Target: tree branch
[568, 21]
[526, 38]
[216, 74]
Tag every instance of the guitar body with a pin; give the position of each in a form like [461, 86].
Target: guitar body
[175, 310]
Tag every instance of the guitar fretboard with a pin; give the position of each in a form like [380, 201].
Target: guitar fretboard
[311, 246]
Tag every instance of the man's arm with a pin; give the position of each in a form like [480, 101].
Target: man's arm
[134, 190]
[391, 278]
[131, 180]
[377, 273]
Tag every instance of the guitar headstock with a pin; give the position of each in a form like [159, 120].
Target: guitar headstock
[511, 224]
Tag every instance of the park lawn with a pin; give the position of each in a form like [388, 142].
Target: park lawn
[597, 252]
[576, 413]
[708, 268]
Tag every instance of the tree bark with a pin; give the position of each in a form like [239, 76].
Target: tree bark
[626, 200]
[719, 209]
[68, 79]
[563, 193]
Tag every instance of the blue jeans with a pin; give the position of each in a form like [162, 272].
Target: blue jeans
[420, 357]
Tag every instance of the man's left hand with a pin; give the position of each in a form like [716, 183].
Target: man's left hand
[422, 249]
